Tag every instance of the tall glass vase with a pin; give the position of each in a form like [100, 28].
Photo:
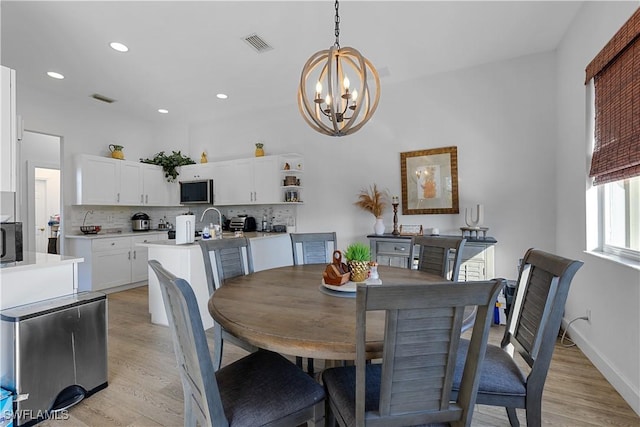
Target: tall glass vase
[378, 227]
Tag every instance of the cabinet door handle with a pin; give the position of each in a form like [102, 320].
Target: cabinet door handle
[118, 198]
[129, 254]
[399, 248]
[146, 199]
[142, 198]
[134, 254]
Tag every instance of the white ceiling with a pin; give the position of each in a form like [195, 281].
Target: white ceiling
[183, 53]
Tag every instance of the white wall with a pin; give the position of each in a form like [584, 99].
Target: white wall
[610, 290]
[501, 116]
[88, 126]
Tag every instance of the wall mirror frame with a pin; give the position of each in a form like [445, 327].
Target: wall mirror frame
[430, 181]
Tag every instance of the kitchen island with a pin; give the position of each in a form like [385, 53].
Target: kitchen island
[39, 276]
[268, 250]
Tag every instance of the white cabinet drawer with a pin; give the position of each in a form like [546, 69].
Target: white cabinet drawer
[107, 244]
[144, 238]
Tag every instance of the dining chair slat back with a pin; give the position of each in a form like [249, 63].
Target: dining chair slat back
[317, 248]
[248, 391]
[412, 385]
[531, 331]
[232, 259]
[440, 255]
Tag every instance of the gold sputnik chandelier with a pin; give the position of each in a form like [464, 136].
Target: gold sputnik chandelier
[334, 96]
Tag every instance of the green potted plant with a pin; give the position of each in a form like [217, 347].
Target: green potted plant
[358, 256]
[170, 163]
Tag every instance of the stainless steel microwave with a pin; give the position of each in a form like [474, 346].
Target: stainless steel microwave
[196, 192]
[10, 241]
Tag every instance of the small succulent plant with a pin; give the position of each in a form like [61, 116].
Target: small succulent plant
[357, 252]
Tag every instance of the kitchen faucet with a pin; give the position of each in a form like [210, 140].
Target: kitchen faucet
[219, 216]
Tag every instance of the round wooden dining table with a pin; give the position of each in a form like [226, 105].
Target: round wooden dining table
[287, 310]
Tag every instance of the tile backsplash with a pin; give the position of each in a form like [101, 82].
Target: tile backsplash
[118, 218]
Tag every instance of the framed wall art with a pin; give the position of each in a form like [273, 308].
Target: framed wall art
[430, 181]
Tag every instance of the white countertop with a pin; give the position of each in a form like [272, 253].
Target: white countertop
[103, 235]
[33, 260]
[254, 235]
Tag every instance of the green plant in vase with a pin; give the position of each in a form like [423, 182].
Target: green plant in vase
[358, 256]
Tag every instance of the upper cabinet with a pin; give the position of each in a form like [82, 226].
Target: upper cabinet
[8, 130]
[254, 180]
[106, 181]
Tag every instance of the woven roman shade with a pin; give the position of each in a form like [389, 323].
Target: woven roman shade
[616, 75]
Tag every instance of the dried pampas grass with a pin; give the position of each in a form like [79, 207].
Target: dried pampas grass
[372, 201]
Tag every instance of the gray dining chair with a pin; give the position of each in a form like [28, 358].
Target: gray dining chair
[316, 248]
[412, 385]
[225, 259]
[262, 388]
[442, 255]
[312, 248]
[531, 332]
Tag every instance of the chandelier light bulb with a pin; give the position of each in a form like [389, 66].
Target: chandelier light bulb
[327, 100]
[345, 83]
[318, 88]
[354, 95]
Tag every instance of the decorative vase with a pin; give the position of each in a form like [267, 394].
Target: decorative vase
[259, 150]
[359, 270]
[378, 227]
[116, 151]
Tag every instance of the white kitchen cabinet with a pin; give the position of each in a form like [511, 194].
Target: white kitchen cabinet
[8, 130]
[107, 181]
[196, 172]
[111, 261]
[97, 180]
[130, 183]
[156, 190]
[253, 180]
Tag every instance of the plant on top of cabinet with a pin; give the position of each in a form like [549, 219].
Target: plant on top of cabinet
[170, 163]
[259, 149]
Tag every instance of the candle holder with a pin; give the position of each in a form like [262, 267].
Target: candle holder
[395, 232]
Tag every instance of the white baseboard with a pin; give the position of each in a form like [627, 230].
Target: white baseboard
[620, 383]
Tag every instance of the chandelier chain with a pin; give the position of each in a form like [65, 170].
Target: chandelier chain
[337, 30]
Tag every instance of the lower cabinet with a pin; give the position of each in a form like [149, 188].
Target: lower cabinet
[477, 256]
[112, 261]
[393, 251]
[477, 261]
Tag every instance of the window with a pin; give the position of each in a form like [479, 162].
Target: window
[615, 165]
[620, 202]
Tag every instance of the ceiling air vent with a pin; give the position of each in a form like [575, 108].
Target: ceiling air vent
[103, 98]
[257, 43]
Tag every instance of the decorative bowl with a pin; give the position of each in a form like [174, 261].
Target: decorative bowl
[90, 229]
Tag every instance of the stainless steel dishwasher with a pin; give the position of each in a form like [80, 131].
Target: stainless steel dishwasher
[53, 354]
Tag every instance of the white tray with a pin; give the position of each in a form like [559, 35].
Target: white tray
[347, 287]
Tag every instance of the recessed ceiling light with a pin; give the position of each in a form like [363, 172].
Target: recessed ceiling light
[163, 111]
[55, 75]
[222, 96]
[118, 46]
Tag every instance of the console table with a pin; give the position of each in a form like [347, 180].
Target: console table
[477, 256]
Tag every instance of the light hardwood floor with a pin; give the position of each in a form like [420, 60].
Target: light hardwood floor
[145, 390]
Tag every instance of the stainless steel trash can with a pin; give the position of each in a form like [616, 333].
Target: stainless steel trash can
[53, 354]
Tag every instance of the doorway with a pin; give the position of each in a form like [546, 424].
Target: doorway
[47, 209]
[40, 191]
